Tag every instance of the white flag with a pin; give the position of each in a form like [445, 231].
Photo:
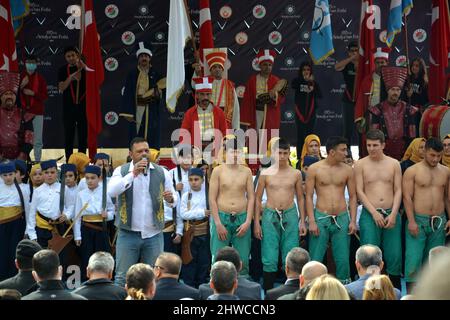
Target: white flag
[179, 34]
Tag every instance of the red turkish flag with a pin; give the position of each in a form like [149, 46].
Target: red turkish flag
[94, 75]
[205, 27]
[439, 50]
[8, 53]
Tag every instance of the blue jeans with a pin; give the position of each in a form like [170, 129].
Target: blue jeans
[132, 249]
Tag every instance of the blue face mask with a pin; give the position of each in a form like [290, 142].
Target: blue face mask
[31, 67]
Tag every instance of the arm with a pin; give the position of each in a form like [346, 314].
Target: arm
[258, 205]
[213, 194]
[397, 189]
[352, 193]
[408, 193]
[250, 205]
[342, 64]
[310, 185]
[196, 212]
[31, 221]
[42, 93]
[77, 224]
[118, 184]
[169, 190]
[300, 202]
[110, 209]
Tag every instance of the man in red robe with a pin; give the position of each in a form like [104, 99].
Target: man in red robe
[394, 117]
[16, 134]
[262, 98]
[204, 119]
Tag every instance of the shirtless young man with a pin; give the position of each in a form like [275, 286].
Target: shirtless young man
[280, 219]
[379, 187]
[330, 219]
[232, 199]
[425, 197]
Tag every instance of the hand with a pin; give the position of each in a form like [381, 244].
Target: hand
[207, 213]
[447, 227]
[221, 232]
[310, 88]
[104, 214]
[198, 68]
[76, 75]
[28, 92]
[168, 196]
[361, 125]
[179, 186]
[25, 81]
[409, 92]
[273, 94]
[62, 217]
[302, 229]
[313, 228]
[257, 231]
[379, 220]
[389, 221]
[140, 167]
[352, 228]
[413, 228]
[242, 229]
[177, 239]
[78, 243]
[129, 118]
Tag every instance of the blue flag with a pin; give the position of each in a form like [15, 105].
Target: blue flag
[321, 43]
[19, 10]
[397, 10]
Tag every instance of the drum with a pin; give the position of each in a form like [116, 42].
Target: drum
[435, 122]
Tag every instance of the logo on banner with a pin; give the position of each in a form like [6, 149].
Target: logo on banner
[289, 62]
[240, 91]
[259, 11]
[401, 61]
[111, 64]
[290, 9]
[73, 22]
[160, 36]
[382, 36]
[275, 37]
[419, 35]
[128, 38]
[225, 12]
[143, 10]
[255, 64]
[305, 35]
[111, 118]
[111, 11]
[241, 38]
[289, 115]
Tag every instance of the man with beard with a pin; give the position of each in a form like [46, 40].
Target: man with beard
[141, 98]
[16, 135]
[394, 117]
[426, 198]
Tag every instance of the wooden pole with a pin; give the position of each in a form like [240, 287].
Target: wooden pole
[194, 45]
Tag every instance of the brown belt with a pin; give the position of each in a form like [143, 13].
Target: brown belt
[168, 224]
[94, 225]
[19, 216]
[197, 222]
[50, 221]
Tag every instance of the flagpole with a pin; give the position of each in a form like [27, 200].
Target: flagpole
[405, 26]
[194, 45]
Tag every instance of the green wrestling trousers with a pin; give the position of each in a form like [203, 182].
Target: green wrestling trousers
[278, 232]
[388, 240]
[431, 234]
[241, 244]
[334, 229]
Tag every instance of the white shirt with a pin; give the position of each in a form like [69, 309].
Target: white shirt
[46, 201]
[70, 198]
[142, 218]
[198, 205]
[94, 200]
[9, 196]
[82, 185]
[168, 211]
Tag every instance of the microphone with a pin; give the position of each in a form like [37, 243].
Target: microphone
[146, 168]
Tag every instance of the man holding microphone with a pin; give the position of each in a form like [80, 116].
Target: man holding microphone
[141, 188]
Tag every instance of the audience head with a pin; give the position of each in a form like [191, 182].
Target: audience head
[311, 271]
[434, 283]
[100, 266]
[231, 255]
[46, 266]
[223, 277]
[10, 294]
[369, 259]
[25, 251]
[327, 287]
[167, 265]
[140, 282]
[436, 253]
[295, 260]
[379, 287]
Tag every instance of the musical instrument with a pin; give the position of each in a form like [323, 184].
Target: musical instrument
[435, 122]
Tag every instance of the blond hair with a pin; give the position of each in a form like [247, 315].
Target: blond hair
[327, 287]
[379, 287]
[139, 279]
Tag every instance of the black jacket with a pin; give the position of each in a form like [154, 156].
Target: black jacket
[171, 289]
[246, 290]
[101, 289]
[290, 286]
[223, 297]
[21, 282]
[52, 290]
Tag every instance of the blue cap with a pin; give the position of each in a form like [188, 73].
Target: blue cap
[309, 160]
[7, 167]
[21, 165]
[93, 169]
[196, 172]
[48, 164]
[66, 167]
[101, 156]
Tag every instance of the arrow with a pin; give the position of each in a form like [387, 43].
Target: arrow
[304, 50]
[62, 21]
[397, 49]
[419, 50]
[196, 25]
[41, 22]
[167, 22]
[300, 25]
[277, 26]
[232, 52]
[280, 50]
[126, 52]
[221, 26]
[254, 50]
[28, 51]
[53, 51]
[248, 24]
[113, 24]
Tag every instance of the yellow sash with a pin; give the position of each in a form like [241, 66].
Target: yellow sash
[42, 223]
[93, 218]
[9, 212]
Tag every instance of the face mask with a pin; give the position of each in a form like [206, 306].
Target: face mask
[31, 67]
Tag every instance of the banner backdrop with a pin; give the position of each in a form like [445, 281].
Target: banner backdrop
[242, 26]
